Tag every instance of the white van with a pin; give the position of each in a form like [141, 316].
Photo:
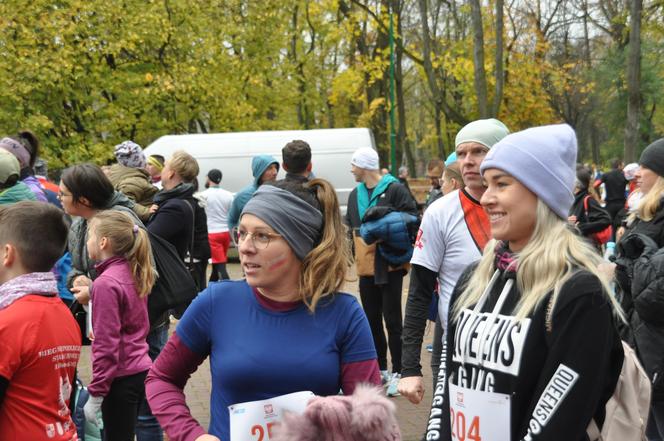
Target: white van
[331, 152]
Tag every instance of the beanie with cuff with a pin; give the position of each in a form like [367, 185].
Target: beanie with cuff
[483, 131]
[366, 158]
[543, 159]
[653, 157]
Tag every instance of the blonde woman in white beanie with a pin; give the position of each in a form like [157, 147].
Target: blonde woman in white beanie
[531, 350]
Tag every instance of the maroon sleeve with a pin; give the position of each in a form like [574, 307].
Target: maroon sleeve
[164, 389]
[359, 372]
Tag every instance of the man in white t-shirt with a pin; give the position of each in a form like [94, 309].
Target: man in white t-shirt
[452, 235]
[217, 204]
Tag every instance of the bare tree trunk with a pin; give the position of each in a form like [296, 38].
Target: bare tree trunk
[439, 133]
[374, 89]
[430, 74]
[499, 72]
[478, 57]
[586, 35]
[403, 146]
[633, 82]
[594, 143]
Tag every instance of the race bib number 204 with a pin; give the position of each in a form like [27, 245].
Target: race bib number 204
[253, 421]
[479, 416]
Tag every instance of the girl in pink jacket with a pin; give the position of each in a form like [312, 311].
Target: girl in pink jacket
[119, 322]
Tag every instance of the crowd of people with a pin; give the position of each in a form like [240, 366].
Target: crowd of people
[541, 278]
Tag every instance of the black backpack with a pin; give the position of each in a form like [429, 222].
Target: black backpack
[174, 287]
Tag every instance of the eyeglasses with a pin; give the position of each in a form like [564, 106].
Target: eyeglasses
[62, 195]
[259, 239]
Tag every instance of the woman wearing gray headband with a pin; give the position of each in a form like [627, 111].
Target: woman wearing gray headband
[286, 328]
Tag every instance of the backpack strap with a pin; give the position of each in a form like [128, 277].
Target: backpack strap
[585, 205]
[190, 248]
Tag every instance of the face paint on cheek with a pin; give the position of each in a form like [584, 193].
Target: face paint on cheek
[277, 262]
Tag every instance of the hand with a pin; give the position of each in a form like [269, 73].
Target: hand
[153, 208]
[82, 294]
[620, 233]
[608, 269]
[412, 388]
[572, 220]
[82, 281]
[207, 437]
[92, 410]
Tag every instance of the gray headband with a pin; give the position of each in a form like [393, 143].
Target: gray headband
[296, 220]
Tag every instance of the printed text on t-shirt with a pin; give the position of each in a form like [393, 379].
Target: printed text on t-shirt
[495, 344]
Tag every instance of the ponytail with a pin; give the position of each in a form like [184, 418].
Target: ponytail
[129, 241]
[324, 268]
[140, 261]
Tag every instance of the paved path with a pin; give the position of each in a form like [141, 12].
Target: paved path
[412, 419]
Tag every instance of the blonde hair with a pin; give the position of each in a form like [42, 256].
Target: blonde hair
[184, 165]
[324, 268]
[118, 227]
[649, 203]
[551, 257]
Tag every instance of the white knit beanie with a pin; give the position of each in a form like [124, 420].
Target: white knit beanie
[483, 131]
[543, 159]
[365, 157]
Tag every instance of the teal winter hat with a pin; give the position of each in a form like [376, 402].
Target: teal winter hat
[483, 131]
[543, 159]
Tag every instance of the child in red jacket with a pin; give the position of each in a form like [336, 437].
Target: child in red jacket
[40, 341]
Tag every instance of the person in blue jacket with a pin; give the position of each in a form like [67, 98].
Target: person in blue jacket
[265, 169]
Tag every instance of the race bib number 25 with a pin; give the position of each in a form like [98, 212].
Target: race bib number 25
[254, 420]
[258, 431]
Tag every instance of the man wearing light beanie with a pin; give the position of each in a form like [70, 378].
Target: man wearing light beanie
[380, 283]
[452, 235]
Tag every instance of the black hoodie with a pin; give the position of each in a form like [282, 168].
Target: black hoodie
[534, 365]
[174, 220]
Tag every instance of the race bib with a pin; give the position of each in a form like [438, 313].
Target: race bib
[479, 416]
[253, 421]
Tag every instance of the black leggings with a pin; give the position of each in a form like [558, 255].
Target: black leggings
[384, 301]
[198, 270]
[119, 409]
[613, 208]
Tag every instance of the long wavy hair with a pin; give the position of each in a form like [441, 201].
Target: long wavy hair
[553, 254]
[324, 269]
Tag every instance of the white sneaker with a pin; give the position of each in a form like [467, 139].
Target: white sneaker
[392, 390]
